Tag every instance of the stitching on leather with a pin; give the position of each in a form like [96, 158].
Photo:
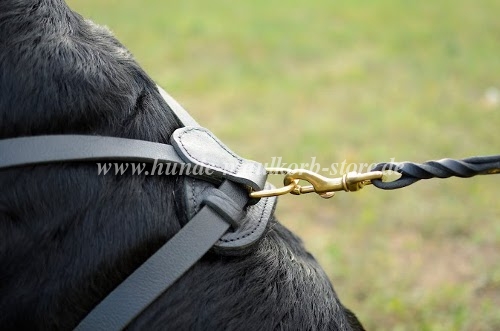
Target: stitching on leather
[240, 160]
[254, 229]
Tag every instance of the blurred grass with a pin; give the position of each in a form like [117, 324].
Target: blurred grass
[363, 81]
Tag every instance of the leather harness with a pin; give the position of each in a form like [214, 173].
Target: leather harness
[221, 215]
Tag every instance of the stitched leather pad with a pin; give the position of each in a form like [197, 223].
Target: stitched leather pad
[198, 146]
[251, 228]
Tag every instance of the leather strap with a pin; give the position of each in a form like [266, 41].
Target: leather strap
[181, 114]
[163, 268]
[214, 161]
[243, 237]
[24, 151]
[225, 207]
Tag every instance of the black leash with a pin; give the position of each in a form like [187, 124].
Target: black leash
[380, 176]
[413, 172]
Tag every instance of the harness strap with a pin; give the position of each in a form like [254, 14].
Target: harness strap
[225, 207]
[196, 152]
[163, 268]
[24, 151]
[192, 146]
[181, 114]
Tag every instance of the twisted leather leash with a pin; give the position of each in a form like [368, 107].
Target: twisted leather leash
[413, 172]
[407, 173]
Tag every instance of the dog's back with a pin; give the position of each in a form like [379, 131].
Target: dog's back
[70, 236]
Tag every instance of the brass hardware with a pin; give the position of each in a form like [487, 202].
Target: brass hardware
[274, 192]
[324, 186]
[277, 191]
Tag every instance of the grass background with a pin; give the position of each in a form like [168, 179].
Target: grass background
[361, 81]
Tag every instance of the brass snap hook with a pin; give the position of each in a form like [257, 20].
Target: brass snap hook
[326, 187]
[323, 186]
[288, 188]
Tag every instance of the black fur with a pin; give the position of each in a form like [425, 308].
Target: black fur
[68, 236]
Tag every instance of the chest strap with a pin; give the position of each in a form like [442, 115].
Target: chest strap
[164, 267]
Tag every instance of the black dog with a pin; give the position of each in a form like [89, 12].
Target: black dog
[68, 236]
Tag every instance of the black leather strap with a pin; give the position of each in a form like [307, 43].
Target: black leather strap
[225, 207]
[181, 114]
[24, 151]
[162, 269]
[206, 157]
[242, 238]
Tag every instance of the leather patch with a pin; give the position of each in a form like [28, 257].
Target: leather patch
[198, 146]
[251, 228]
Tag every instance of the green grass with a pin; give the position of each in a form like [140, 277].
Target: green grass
[364, 81]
